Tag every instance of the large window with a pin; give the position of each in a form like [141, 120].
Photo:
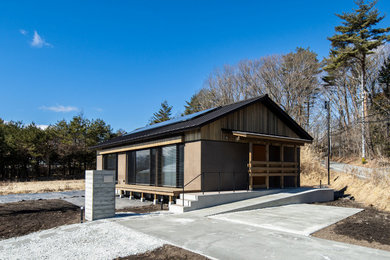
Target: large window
[142, 167]
[110, 162]
[162, 166]
[169, 166]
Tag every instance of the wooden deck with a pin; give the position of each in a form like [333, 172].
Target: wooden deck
[155, 190]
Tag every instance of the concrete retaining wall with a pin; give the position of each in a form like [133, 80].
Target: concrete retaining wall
[99, 194]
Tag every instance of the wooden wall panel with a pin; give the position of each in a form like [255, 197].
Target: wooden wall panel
[254, 118]
[99, 162]
[122, 168]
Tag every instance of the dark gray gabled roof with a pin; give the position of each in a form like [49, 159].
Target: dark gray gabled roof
[178, 126]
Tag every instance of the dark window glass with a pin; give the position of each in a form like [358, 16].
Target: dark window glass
[153, 165]
[110, 163]
[180, 166]
[288, 154]
[142, 167]
[168, 165]
[131, 167]
[274, 153]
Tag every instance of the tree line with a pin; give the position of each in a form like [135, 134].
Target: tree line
[354, 78]
[28, 152]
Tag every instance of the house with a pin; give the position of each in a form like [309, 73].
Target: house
[250, 144]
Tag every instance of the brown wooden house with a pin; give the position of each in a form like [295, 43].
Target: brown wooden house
[250, 144]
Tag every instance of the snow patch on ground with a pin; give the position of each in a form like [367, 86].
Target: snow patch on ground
[93, 240]
[44, 196]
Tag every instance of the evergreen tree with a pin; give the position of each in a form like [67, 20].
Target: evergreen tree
[163, 114]
[193, 105]
[354, 41]
[384, 77]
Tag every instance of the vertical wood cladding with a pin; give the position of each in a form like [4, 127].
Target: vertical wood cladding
[255, 118]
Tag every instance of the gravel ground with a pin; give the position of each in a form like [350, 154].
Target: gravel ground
[93, 240]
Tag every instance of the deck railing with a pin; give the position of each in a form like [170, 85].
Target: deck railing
[220, 175]
[268, 168]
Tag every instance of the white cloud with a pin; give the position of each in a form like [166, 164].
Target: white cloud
[43, 127]
[39, 42]
[22, 31]
[59, 108]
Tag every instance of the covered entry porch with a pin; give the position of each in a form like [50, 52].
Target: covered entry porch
[274, 161]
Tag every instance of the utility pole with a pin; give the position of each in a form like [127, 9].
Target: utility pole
[363, 114]
[327, 107]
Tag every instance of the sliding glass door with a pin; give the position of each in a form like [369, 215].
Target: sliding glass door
[142, 167]
[168, 166]
[161, 166]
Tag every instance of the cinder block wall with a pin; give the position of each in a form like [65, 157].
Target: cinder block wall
[99, 194]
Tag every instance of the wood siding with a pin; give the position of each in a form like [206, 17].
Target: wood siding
[139, 146]
[99, 162]
[255, 118]
[122, 165]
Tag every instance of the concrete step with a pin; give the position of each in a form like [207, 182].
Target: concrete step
[175, 208]
[189, 196]
[187, 203]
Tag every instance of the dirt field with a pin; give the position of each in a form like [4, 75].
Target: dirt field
[167, 252]
[370, 228]
[40, 186]
[144, 209]
[24, 217]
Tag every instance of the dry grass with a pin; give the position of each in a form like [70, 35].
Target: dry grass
[378, 161]
[372, 191]
[40, 186]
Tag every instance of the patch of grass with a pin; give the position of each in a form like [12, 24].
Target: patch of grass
[40, 186]
[373, 191]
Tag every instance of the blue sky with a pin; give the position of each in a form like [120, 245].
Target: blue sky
[118, 60]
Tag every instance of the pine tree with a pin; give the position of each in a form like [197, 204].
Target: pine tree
[384, 77]
[354, 41]
[193, 105]
[163, 114]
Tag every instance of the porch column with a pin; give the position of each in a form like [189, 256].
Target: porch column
[250, 166]
[267, 160]
[296, 166]
[282, 165]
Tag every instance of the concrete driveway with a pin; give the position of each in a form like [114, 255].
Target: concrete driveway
[243, 235]
[301, 219]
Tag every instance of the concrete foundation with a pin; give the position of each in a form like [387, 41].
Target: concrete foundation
[99, 194]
